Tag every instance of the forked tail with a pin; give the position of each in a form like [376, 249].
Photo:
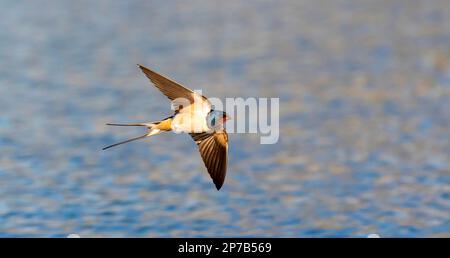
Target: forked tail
[138, 124]
[153, 129]
[129, 140]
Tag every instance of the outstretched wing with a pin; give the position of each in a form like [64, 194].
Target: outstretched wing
[214, 151]
[170, 88]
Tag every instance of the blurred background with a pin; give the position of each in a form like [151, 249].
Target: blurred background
[364, 90]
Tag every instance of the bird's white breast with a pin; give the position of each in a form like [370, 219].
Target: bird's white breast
[191, 119]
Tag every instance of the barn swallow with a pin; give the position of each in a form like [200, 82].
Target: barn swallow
[194, 114]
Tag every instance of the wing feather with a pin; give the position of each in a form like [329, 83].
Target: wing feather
[171, 88]
[213, 148]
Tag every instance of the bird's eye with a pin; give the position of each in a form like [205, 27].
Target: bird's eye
[213, 121]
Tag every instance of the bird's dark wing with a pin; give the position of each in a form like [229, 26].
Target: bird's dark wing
[214, 151]
[170, 88]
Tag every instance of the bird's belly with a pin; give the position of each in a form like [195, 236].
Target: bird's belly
[189, 123]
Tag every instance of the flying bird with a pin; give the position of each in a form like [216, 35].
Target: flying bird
[195, 115]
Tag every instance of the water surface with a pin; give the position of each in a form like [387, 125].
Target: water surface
[364, 90]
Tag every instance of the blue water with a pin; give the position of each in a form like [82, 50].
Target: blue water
[364, 112]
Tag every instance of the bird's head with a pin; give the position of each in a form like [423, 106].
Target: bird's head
[216, 119]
